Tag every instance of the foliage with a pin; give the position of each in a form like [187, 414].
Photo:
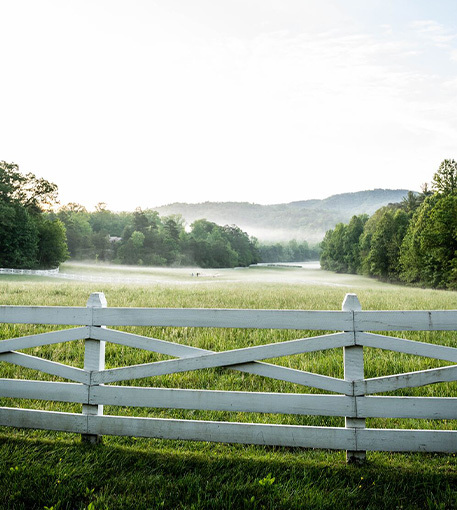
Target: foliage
[414, 241]
[430, 248]
[340, 247]
[445, 179]
[145, 238]
[293, 251]
[28, 239]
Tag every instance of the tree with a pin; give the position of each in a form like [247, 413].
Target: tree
[52, 243]
[445, 179]
[429, 250]
[23, 239]
[387, 236]
[18, 237]
[351, 243]
[333, 249]
[79, 232]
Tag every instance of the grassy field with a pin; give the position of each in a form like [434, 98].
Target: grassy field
[40, 469]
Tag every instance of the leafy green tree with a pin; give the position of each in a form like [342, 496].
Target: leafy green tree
[18, 237]
[445, 179]
[35, 194]
[79, 232]
[211, 245]
[351, 243]
[333, 249]
[390, 225]
[52, 243]
[244, 246]
[429, 249]
[27, 240]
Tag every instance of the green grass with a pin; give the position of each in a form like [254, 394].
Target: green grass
[41, 469]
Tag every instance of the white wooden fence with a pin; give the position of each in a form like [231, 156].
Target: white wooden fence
[353, 399]
[35, 272]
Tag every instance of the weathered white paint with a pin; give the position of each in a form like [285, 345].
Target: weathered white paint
[225, 432]
[145, 342]
[408, 380]
[285, 403]
[402, 440]
[223, 359]
[46, 315]
[224, 318]
[430, 408]
[48, 420]
[353, 402]
[94, 360]
[248, 433]
[46, 366]
[258, 368]
[53, 337]
[44, 390]
[353, 370]
[411, 320]
[407, 346]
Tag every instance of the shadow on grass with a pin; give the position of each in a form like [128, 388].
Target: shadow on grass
[61, 473]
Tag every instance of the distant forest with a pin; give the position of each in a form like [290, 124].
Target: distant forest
[34, 235]
[414, 241]
[144, 237]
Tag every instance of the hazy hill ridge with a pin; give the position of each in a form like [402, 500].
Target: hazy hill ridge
[307, 219]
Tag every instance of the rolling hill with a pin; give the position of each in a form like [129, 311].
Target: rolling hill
[302, 220]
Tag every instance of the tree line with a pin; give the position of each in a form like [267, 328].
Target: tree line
[33, 234]
[414, 241]
[144, 237]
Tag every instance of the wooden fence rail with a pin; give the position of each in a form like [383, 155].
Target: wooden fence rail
[352, 396]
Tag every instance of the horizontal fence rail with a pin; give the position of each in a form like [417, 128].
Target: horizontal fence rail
[353, 397]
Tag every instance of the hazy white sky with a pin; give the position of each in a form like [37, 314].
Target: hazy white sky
[144, 103]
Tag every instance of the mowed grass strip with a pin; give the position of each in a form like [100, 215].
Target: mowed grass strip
[42, 468]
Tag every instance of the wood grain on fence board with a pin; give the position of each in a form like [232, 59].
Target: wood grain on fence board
[145, 342]
[256, 368]
[390, 343]
[225, 432]
[48, 420]
[46, 366]
[407, 380]
[226, 358]
[58, 315]
[44, 390]
[224, 318]
[402, 440]
[410, 320]
[430, 408]
[216, 400]
[52, 337]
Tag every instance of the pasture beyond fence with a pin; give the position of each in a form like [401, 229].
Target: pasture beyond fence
[353, 397]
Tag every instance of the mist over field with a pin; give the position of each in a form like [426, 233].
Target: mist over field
[307, 274]
[304, 220]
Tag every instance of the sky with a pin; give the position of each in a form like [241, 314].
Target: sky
[142, 103]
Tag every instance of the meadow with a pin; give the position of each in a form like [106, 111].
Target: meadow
[42, 469]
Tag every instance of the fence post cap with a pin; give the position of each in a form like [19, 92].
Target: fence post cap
[351, 302]
[97, 300]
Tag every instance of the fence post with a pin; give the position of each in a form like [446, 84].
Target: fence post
[94, 359]
[353, 370]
